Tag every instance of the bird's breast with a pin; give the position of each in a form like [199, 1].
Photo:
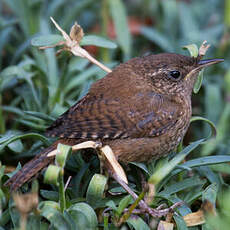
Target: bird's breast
[182, 123]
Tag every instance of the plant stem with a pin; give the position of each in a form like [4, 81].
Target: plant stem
[62, 200]
[105, 23]
[74, 47]
[2, 120]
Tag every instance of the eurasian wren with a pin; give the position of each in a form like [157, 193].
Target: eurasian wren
[142, 110]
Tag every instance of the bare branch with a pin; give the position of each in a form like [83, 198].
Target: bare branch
[71, 44]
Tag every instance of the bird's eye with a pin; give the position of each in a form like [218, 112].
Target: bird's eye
[174, 74]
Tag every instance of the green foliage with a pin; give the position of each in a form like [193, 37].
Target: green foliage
[95, 191]
[194, 51]
[36, 87]
[52, 39]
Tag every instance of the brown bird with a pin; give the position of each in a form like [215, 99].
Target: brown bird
[141, 109]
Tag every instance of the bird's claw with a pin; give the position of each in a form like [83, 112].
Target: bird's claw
[158, 212]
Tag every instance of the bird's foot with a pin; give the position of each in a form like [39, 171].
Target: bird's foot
[159, 211]
[144, 208]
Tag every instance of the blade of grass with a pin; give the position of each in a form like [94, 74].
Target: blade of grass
[167, 168]
[117, 10]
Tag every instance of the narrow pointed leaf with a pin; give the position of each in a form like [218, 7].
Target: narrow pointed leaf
[168, 167]
[46, 40]
[97, 41]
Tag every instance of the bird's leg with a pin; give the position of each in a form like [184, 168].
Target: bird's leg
[110, 162]
[144, 208]
[142, 179]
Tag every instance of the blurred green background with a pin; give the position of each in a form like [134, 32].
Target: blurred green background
[37, 86]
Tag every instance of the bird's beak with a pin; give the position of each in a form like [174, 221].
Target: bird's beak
[207, 62]
[203, 63]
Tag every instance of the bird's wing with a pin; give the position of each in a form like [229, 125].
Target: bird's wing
[91, 117]
[99, 117]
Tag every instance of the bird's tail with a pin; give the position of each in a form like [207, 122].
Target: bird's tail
[31, 168]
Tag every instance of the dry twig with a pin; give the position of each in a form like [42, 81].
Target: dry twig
[71, 44]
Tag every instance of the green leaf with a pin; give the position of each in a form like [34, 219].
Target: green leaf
[11, 138]
[193, 50]
[14, 214]
[223, 129]
[70, 220]
[169, 166]
[222, 168]
[137, 223]
[52, 175]
[49, 204]
[111, 204]
[46, 40]
[210, 193]
[9, 77]
[225, 203]
[55, 217]
[33, 222]
[77, 64]
[15, 171]
[83, 215]
[52, 39]
[63, 153]
[96, 189]
[188, 24]
[12, 74]
[12, 71]
[40, 115]
[49, 195]
[82, 169]
[16, 146]
[117, 10]
[5, 217]
[210, 160]
[97, 41]
[213, 96]
[12, 109]
[158, 38]
[127, 200]
[2, 170]
[31, 125]
[207, 160]
[211, 124]
[227, 14]
[121, 190]
[198, 82]
[142, 166]
[81, 78]
[180, 223]
[2, 199]
[183, 209]
[179, 186]
[227, 80]
[213, 178]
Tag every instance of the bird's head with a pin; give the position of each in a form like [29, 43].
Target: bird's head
[173, 73]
